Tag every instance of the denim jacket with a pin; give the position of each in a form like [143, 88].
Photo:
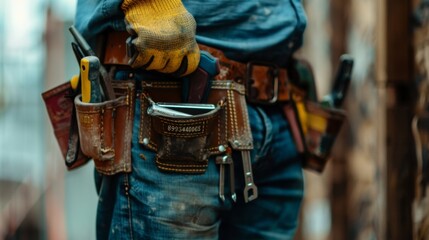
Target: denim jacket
[245, 30]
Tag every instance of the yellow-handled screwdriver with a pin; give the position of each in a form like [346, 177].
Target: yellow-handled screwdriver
[89, 73]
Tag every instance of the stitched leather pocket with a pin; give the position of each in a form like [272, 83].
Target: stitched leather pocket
[183, 140]
[227, 127]
[105, 130]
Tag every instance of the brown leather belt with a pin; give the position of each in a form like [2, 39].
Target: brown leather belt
[265, 83]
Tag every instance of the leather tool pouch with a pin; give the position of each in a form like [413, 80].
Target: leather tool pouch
[322, 127]
[314, 127]
[184, 144]
[182, 140]
[105, 129]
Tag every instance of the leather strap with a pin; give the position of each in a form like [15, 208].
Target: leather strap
[116, 48]
[265, 83]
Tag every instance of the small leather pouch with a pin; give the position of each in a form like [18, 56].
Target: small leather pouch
[322, 128]
[105, 129]
[316, 128]
[59, 105]
[183, 139]
[184, 144]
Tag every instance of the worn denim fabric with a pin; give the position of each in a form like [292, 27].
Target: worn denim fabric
[246, 30]
[149, 204]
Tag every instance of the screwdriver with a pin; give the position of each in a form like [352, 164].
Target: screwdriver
[89, 72]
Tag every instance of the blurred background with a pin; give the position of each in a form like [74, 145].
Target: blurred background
[372, 188]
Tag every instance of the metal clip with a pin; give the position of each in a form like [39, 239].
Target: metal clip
[222, 161]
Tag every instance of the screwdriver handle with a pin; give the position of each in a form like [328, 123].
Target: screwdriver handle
[85, 49]
[342, 79]
[341, 83]
[90, 73]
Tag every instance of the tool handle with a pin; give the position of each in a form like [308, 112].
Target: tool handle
[89, 68]
[77, 52]
[341, 83]
[209, 63]
[83, 44]
[342, 80]
[105, 83]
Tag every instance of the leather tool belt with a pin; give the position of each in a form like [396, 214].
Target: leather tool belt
[261, 83]
[313, 127]
[184, 144]
[264, 83]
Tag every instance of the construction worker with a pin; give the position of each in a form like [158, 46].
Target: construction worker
[165, 40]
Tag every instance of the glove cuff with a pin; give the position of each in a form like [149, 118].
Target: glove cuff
[153, 8]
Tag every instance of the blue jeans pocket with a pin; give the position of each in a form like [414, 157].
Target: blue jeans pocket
[258, 124]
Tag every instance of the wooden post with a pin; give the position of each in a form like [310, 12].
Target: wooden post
[400, 102]
[384, 195]
[339, 21]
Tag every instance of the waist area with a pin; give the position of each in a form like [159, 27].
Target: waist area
[264, 82]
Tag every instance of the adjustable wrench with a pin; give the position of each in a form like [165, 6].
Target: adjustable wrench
[250, 189]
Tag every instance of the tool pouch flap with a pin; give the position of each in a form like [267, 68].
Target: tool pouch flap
[105, 130]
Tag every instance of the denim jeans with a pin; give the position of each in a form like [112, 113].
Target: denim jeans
[149, 204]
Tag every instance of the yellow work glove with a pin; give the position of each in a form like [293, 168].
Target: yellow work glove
[164, 36]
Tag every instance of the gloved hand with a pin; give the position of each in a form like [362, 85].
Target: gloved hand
[164, 34]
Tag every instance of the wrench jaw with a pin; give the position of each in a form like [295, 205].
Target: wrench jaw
[222, 197]
[250, 193]
[250, 190]
[234, 197]
[232, 182]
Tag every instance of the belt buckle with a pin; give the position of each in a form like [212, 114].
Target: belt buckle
[272, 72]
